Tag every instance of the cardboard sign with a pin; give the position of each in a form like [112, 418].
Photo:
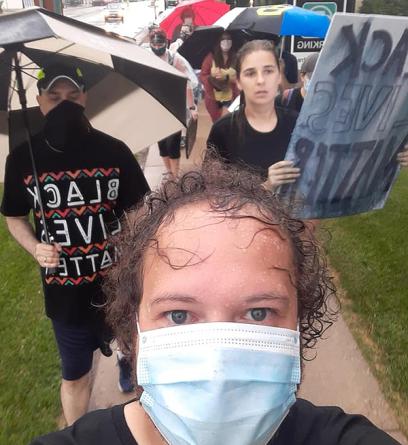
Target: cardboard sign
[354, 119]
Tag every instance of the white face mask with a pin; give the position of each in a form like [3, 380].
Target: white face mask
[218, 383]
[225, 45]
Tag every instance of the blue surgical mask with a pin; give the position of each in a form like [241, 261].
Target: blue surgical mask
[218, 383]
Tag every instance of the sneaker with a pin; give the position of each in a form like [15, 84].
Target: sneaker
[125, 383]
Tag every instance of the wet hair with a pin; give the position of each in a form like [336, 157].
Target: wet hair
[248, 48]
[230, 192]
[218, 57]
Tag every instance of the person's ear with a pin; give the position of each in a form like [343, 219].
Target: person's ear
[84, 98]
[40, 101]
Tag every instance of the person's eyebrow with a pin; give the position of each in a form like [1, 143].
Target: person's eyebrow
[281, 298]
[176, 298]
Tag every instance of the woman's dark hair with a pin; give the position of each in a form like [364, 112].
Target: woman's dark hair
[249, 48]
[218, 57]
[231, 192]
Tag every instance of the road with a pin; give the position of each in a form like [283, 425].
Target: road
[137, 16]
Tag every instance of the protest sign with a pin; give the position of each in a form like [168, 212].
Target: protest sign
[354, 119]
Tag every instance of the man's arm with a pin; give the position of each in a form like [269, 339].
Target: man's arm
[47, 255]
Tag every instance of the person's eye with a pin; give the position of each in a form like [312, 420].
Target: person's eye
[269, 70]
[177, 317]
[258, 314]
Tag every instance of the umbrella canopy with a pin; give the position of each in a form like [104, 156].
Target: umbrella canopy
[247, 24]
[206, 12]
[129, 89]
[203, 40]
[282, 20]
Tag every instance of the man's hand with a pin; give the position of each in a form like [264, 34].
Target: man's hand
[47, 255]
[402, 156]
[280, 173]
[194, 114]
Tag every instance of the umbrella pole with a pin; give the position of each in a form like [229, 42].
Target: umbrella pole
[282, 46]
[23, 102]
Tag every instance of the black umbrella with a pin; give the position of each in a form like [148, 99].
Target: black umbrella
[245, 24]
[282, 20]
[114, 68]
[203, 40]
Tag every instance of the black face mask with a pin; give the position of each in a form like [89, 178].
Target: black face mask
[65, 125]
[159, 51]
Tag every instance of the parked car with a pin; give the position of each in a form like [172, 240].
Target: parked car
[114, 12]
[171, 3]
[100, 2]
[72, 2]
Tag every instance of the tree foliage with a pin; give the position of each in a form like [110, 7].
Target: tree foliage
[389, 7]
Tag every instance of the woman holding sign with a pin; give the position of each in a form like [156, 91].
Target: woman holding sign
[258, 133]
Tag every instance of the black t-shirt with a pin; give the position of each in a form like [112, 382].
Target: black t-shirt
[236, 141]
[305, 424]
[84, 190]
[291, 98]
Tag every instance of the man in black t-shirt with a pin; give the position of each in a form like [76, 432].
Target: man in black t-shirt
[87, 180]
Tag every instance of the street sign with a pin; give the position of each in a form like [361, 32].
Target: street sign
[306, 44]
[326, 8]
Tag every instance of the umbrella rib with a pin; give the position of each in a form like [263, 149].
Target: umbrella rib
[55, 52]
[26, 73]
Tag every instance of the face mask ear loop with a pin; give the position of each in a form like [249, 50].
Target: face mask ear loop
[137, 325]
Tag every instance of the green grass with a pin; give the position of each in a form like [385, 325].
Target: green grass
[370, 252]
[29, 372]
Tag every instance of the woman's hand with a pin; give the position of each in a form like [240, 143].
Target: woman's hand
[402, 156]
[280, 173]
[218, 74]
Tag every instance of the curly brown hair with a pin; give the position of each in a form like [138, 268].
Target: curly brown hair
[232, 192]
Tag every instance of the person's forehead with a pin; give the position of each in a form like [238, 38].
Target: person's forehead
[196, 229]
[258, 58]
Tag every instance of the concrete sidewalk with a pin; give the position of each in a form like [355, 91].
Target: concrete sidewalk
[338, 376]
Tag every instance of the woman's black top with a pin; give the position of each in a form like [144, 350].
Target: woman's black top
[305, 424]
[233, 138]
